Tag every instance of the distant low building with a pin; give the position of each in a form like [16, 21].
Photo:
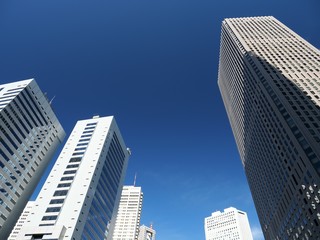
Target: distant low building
[129, 212]
[228, 225]
[147, 233]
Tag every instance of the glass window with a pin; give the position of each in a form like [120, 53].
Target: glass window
[70, 172]
[73, 166]
[60, 193]
[53, 209]
[78, 153]
[61, 185]
[86, 135]
[81, 148]
[56, 201]
[66, 178]
[50, 217]
[78, 159]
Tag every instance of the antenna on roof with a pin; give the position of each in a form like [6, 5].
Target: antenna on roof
[52, 99]
[135, 179]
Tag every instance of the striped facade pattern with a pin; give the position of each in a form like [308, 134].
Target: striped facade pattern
[269, 80]
[29, 135]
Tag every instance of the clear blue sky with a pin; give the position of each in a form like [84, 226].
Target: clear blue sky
[153, 64]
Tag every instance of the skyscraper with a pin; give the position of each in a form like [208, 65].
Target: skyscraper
[29, 135]
[129, 212]
[228, 225]
[80, 197]
[147, 233]
[269, 80]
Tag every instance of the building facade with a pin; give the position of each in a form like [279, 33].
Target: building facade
[129, 213]
[29, 135]
[22, 219]
[231, 224]
[80, 197]
[269, 80]
[147, 233]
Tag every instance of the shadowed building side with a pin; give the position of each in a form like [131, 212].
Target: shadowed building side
[269, 80]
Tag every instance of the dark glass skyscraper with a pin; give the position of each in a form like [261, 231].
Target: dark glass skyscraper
[269, 79]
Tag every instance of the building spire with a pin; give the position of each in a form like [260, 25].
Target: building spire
[135, 179]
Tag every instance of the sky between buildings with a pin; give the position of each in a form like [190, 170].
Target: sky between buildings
[153, 65]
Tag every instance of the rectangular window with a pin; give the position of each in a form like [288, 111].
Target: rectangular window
[66, 178]
[78, 159]
[86, 135]
[73, 166]
[61, 185]
[14, 89]
[53, 209]
[81, 148]
[82, 144]
[60, 193]
[49, 217]
[78, 153]
[70, 172]
[91, 124]
[90, 128]
[89, 131]
[56, 201]
[84, 140]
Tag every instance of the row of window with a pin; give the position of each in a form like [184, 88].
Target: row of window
[74, 164]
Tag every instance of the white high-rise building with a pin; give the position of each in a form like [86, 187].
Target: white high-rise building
[80, 197]
[129, 213]
[29, 135]
[228, 225]
[269, 78]
[147, 233]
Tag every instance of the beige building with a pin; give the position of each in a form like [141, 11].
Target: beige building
[129, 213]
[269, 78]
[147, 233]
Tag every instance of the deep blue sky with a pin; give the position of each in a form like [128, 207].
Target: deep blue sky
[153, 64]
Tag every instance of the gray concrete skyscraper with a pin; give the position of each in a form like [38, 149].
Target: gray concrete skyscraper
[29, 135]
[269, 79]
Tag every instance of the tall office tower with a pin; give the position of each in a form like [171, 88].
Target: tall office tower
[228, 225]
[80, 197]
[129, 212]
[147, 233]
[29, 135]
[21, 221]
[269, 80]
